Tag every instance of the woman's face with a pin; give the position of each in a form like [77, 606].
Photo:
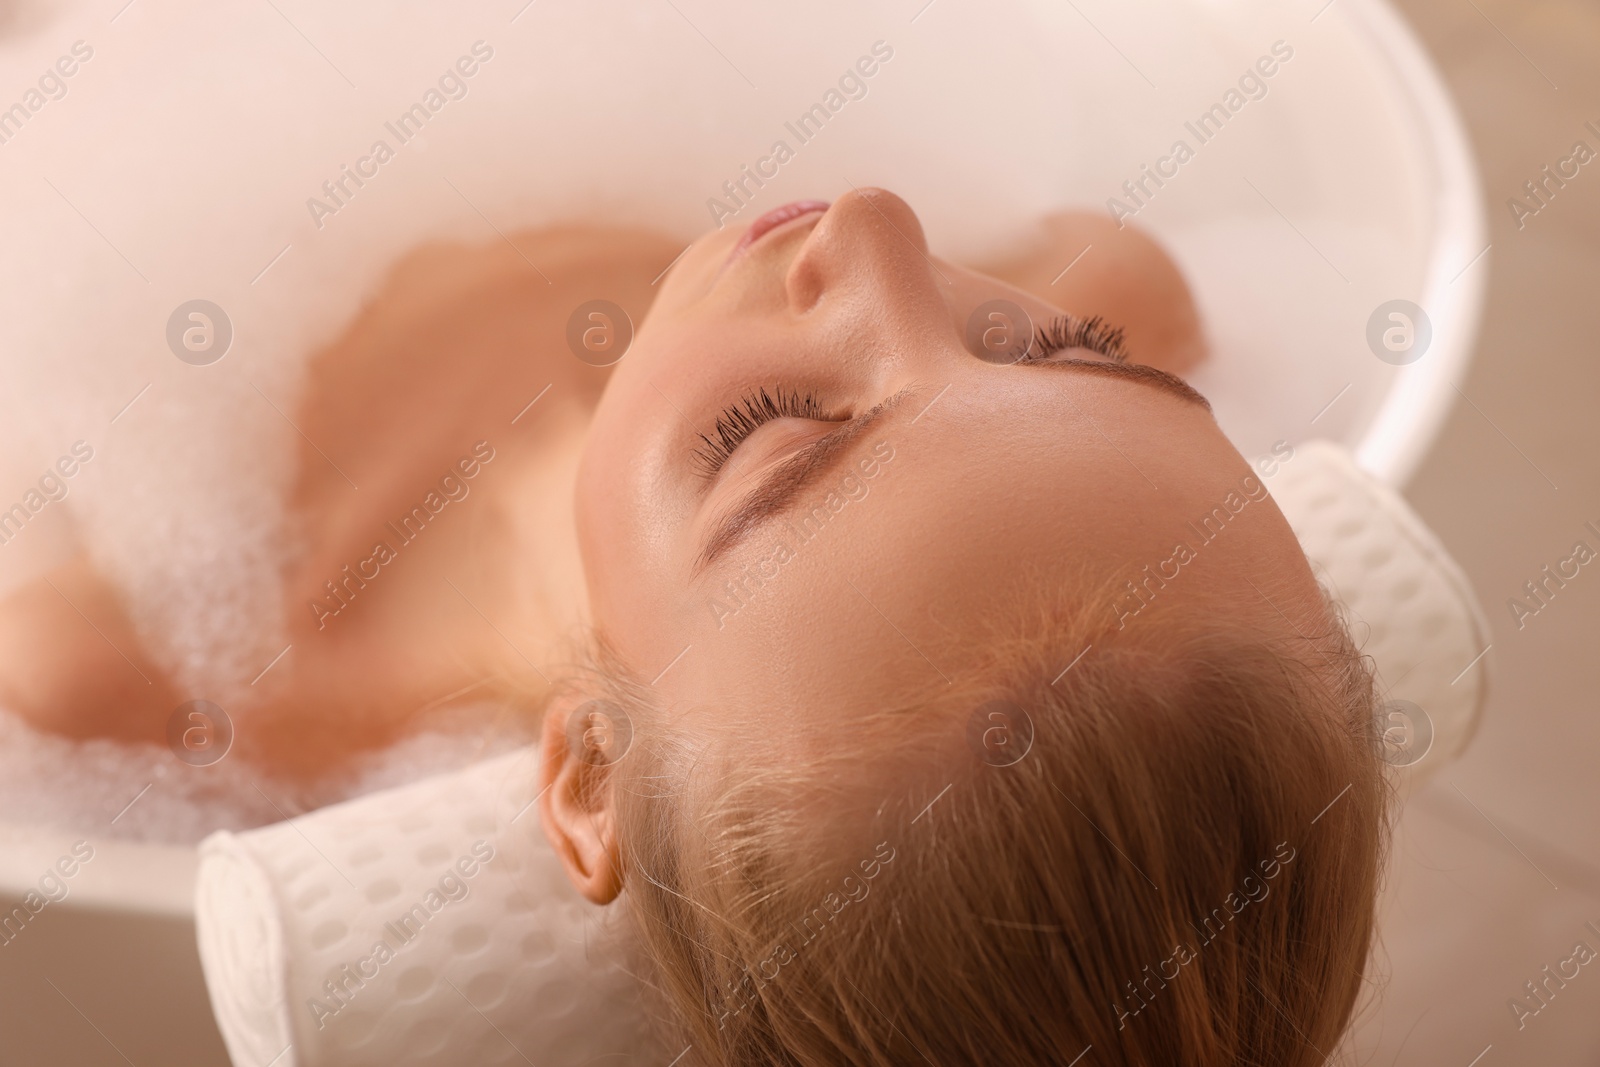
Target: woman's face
[833, 558]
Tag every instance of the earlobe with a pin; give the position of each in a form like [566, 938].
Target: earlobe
[575, 798]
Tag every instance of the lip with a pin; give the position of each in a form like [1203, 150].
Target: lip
[772, 220]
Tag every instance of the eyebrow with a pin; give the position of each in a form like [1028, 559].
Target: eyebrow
[1136, 372]
[778, 489]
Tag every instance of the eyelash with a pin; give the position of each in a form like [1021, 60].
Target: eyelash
[749, 414]
[754, 410]
[1069, 331]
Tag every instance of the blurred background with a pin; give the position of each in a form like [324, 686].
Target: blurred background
[1496, 865]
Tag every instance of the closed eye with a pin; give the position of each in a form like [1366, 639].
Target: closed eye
[754, 410]
[1069, 331]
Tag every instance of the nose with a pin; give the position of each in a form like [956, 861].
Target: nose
[868, 245]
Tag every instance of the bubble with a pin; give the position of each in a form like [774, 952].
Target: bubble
[199, 332]
[999, 331]
[599, 332]
[1000, 733]
[414, 983]
[312, 897]
[469, 939]
[1406, 733]
[433, 854]
[1399, 332]
[539, 947]
[355, 1027]
[364, 853]
[383, 889]
[199, 733]
[329, 933]
[486, 989]
[599, 732]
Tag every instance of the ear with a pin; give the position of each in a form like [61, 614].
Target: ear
[575, 799]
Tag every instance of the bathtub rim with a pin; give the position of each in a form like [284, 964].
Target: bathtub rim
[135, 877]
[1420, 397]
[124, 876]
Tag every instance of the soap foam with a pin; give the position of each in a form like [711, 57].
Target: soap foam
[184, 506]
[139, 792]
[203, 181]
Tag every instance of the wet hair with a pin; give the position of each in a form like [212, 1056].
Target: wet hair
[1170, 854]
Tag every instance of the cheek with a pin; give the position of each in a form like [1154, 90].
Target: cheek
[627, 525]
[691, 276]
[605, 509]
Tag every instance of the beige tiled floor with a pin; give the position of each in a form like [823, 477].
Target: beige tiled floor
[1497, 863]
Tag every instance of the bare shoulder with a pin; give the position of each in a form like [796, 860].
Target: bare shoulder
[417, 403]
[467, 305]
[72, 661]
[455, 342]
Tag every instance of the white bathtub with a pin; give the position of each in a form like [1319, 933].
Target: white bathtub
[1348, 185]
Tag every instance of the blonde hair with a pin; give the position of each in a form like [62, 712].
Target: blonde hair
[1181, 869]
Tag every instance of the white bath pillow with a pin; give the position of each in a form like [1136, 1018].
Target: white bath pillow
[431, 925]
[1409, 606]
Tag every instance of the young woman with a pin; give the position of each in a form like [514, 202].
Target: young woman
[953, 692]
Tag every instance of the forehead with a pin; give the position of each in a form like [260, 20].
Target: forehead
[877, 574]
